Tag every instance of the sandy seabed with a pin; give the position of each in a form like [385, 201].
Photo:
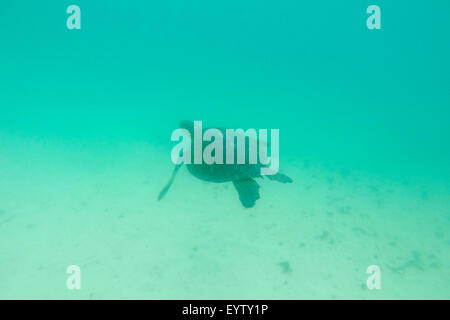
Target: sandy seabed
[95, 205]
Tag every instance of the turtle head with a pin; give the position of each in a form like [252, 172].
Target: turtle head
[188, 125]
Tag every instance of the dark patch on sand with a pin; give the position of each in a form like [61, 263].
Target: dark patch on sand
[285, 267]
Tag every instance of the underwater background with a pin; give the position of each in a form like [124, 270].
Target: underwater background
[85, 123]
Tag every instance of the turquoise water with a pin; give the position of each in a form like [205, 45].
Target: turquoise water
[85, 123]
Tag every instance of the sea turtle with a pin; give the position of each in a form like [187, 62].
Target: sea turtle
[242, 175]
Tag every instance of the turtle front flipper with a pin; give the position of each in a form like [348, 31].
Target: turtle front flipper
[248, 190]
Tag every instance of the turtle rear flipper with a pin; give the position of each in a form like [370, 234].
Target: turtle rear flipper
[248, 190]
[280, 178]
